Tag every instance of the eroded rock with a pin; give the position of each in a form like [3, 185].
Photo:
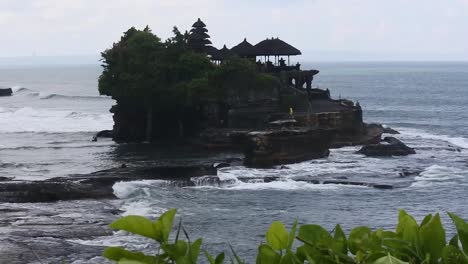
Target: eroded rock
[394, 147]
[6, 91]
[269, 148]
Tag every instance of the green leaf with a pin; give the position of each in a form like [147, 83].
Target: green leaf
[407, 228]
[462, 231]
[389, 260]
[292, 235]
[290, 258]
[175, 250]
[453, 255]
[454, 241]
[314, 235]
[267, 255]
[277, 236]
[210, 258]
[358, 239]
[426, 220]
[195, 250]
[341, 244]
[119, 254]
[129, 261]
[432, 237]
[163, 225]
[220, 258]
[138, 225]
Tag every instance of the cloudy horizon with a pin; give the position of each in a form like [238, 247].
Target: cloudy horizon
[323, 30]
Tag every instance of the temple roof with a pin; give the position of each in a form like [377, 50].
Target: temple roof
[198, 24]
[199, 35]
[210, 50]
[223, 54]
[245, 49]
[275, 47]
[199, 29]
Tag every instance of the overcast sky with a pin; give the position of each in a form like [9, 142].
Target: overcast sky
[321, 29]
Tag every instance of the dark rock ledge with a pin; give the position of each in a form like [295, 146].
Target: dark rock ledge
[98, 185]
[393, 147]
[6, 91]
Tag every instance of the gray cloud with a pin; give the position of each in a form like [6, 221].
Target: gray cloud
[360, 29]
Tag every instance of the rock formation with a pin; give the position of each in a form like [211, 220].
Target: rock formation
[393, 147]
[6, 91]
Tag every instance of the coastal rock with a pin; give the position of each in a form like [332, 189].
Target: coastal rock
[97, 185]
[389, 130]
[365, 184]
[221, 165]
[3, 178]
[406, 172]
[269, 148]
[394, 148]
[370, 134]
[103, 134]
[6, 91]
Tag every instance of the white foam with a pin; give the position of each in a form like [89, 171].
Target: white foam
[439, 175]
[282, 185]
[125, 190]
[457, 141]
[28, 119]
[17, 88]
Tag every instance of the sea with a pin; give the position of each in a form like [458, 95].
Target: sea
[47, 125]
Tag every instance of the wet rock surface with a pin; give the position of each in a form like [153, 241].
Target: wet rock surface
[29, 232]
[6, 91]
[269, 148]
[97, 185]
[394, 147]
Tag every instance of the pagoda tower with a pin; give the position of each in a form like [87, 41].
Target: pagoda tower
[198, 39]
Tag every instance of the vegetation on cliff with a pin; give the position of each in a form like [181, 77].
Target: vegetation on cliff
[410, 243]
[170, 78]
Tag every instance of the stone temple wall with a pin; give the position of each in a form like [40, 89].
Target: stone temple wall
[344, 121]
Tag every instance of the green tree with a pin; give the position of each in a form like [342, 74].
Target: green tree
[156, 73]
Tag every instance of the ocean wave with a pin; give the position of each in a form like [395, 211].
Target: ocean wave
[62, 146]
[73, 97]
[287, 185]
[17, 89]
[438, 175]
[48, 96]
[461, 142]
[28, 119]
[124, 190]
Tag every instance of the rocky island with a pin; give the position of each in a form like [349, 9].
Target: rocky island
[187, 90]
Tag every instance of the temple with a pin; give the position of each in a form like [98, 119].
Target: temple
[273, 56]
[276, 48]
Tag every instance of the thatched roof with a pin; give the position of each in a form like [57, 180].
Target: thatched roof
[245, 49]
[223, 54]
[199, 35]
[200, 29]
[199, 24]
[210, 50]
[275, 47]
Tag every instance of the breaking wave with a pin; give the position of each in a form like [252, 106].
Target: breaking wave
[28, 119]
[70, 97]
[461, 142]
[17, 90]
[438, 175]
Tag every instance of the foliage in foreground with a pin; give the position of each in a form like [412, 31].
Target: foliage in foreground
[423, 243]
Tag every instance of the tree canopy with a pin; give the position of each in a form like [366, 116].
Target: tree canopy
[171, 75]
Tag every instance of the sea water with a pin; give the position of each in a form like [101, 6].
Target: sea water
[47, 125]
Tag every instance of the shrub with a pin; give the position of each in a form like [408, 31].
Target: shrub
[414, 243]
